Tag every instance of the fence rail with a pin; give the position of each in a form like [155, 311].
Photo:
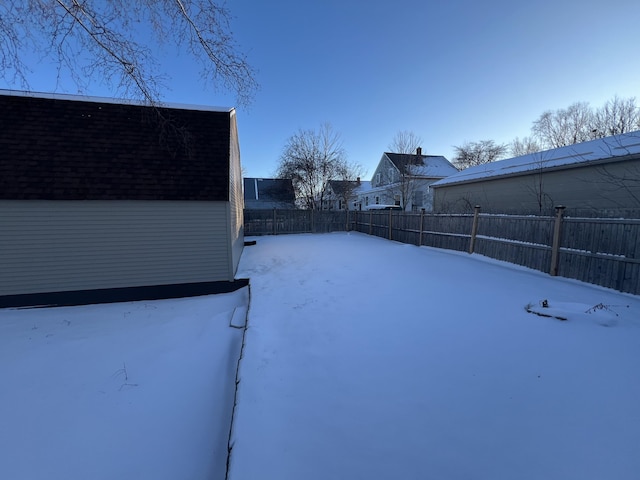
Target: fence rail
[602, 251]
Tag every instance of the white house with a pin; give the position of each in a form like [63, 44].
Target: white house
[405, 180]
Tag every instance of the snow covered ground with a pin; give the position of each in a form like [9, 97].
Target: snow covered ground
[364, 359]
[140, 390]
[369, 359]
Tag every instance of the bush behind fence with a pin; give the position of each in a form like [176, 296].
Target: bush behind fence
[602, 251]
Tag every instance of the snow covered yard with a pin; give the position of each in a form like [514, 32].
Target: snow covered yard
[140, 390]
[369, 359]
[364, 359]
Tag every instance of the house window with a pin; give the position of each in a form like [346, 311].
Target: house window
[366, 201]
[396, 199]
[340, 205]
[377, 179]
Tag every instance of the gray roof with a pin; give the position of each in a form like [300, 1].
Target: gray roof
[431, 166]
[616, 147]
[270, 192]
[340, 187]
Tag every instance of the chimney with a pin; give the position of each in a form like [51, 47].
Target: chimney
[358, 181]
[419, 151]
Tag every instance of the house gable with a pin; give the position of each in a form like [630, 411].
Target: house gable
[385, 172]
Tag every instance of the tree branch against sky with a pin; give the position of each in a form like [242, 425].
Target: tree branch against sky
[471, 154]
[405, 141]
[310, 159]
[116, 42]
[523, 146]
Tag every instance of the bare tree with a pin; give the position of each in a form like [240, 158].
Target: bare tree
[535, 184]
[524, 146]
[564, 127]
[618, 115]
[310, 159]
[405, 141]
[98, 41]
[477, 153]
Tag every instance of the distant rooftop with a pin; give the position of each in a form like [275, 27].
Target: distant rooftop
[432, 166]
[594, 151]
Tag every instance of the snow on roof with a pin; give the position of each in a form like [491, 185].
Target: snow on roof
[118, 101]
[581, 153]
[365, 186]
[433, 166]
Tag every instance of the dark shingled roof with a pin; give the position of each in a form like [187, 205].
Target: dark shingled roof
[342, 187]
[77, 149]
[272, 192]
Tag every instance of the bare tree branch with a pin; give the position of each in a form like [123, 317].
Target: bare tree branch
[405, 141]
[99, 41]
[477, 153]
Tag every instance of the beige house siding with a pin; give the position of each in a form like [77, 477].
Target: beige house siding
[236, 198]
[611, 186]
[56, 246]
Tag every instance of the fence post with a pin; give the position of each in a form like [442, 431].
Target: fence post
[347, 210]
[421, 226]
[313, 222]
[370, 222]
[555, 248]
[474, 229]
[275, 230]
[390, 213]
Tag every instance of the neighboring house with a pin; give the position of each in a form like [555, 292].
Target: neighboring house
[269, 193]
[344, 194]
[405, 180]
[104, 200]
[602, 174]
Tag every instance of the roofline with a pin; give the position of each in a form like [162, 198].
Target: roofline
[116, 101]
[567, 166]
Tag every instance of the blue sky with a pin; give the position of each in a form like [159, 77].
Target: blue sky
[450, 71]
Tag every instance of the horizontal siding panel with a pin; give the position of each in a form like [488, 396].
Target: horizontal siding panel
[52, 246]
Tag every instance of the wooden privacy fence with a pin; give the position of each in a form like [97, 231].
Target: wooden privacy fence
[602, 251]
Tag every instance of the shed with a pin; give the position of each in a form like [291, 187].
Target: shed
[594, 176]
[106, 200]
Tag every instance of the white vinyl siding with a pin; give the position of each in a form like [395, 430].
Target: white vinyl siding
[54, 246]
